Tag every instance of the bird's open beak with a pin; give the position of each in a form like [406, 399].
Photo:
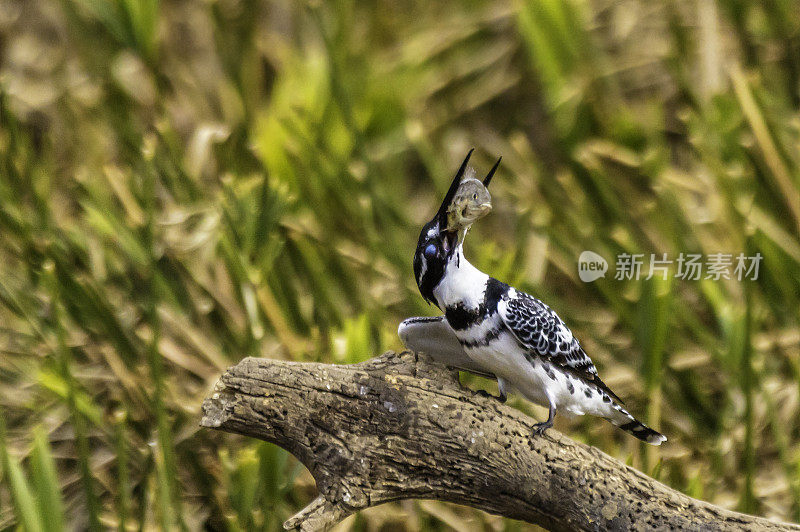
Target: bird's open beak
[441, 214]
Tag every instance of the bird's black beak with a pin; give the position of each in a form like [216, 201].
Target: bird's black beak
[441, 214]
[440, 219]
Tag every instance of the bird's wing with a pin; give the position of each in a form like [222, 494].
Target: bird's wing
[433, 336]
[539, 329]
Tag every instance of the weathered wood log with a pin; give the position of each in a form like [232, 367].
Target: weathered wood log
[400, 426]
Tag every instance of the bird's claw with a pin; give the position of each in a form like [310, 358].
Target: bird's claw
[539, 428]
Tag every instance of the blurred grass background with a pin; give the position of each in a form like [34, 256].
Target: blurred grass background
[186, 183]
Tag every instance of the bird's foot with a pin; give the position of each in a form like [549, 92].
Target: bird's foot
[539, 428]
[502, 397]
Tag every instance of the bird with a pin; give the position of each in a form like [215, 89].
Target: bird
[494, 329]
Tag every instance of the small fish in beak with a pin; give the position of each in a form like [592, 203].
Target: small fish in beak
[471, 201]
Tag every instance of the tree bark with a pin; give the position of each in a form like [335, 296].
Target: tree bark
[400, 426]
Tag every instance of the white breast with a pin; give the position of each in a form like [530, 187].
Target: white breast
[462, 283]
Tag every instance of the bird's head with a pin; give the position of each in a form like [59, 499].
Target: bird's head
[440, 237]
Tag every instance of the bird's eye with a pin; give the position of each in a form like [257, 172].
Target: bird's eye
[430, 251]
[475, 196]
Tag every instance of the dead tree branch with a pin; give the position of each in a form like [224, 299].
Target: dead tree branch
[400, 426]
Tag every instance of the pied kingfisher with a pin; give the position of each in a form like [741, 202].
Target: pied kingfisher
[493, 329]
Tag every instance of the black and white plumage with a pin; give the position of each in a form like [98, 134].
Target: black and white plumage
[505, 332]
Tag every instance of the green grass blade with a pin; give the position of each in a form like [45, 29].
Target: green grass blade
[123, 475]
[78, 421]
[46, 481]
[25, 508]
[748, 502]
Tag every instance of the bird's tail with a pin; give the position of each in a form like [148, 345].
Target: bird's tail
[631, 425]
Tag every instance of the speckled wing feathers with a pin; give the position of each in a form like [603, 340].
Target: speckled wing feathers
[538, 328]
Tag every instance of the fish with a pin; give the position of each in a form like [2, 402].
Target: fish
[471, 202]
